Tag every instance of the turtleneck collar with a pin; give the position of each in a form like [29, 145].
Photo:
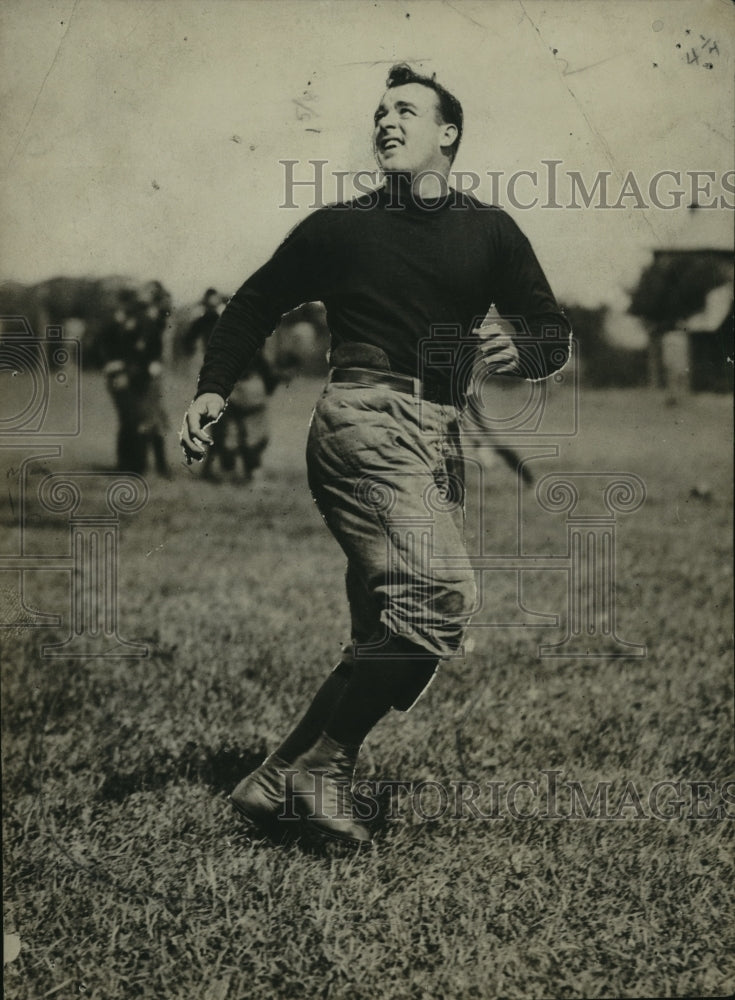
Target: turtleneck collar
[399, 192]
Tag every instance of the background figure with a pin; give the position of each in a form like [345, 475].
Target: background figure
[243, 429]
[484, 444]
[198, 333]
[132, 349]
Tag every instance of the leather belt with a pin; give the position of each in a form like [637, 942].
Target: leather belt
[392, 380]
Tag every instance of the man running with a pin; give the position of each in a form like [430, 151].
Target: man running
[407, 274]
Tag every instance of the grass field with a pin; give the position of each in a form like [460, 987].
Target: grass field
[127, 875]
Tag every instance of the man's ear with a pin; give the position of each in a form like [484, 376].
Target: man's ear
[449, 135]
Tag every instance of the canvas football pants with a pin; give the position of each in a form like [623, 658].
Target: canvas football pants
[385, 469]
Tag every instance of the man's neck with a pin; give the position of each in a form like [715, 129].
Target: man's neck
[424, 185]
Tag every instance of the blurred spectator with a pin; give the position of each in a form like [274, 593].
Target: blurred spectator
[242, 430]
[132, 349]
[198, 333]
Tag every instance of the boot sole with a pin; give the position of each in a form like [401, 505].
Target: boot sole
[271, 826]
[320, 834]
[266, 822]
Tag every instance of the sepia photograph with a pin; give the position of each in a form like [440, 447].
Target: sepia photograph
[366, 440]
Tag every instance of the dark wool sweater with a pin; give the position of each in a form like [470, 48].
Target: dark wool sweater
[411, 278]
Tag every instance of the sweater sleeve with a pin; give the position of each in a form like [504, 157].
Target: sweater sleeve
[252, 314]
[524, 298]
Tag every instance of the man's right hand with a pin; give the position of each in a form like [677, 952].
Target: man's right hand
[194, 439]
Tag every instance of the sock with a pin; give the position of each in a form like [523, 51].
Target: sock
[373, 689]
[310, 728]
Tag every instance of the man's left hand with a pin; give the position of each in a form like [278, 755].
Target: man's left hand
[498, 350]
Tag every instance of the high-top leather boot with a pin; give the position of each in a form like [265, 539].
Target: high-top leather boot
[262, 796]
[322, 791]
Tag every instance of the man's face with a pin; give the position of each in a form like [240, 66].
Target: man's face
[408, 133]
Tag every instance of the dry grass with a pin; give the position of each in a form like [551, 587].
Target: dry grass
[127, 875]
